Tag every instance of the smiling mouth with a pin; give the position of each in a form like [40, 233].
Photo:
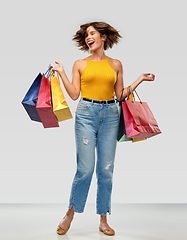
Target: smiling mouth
[90, 44]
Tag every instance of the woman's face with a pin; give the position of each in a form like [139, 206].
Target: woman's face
[93, 39]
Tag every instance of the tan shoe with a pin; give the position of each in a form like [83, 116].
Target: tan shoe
[109, 232]
[61, 231]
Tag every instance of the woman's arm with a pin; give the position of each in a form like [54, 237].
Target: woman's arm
[119, 83]
[72, 88]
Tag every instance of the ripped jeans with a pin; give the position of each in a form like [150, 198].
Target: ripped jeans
[96, 127]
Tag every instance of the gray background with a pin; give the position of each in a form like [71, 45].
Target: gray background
[37, 164]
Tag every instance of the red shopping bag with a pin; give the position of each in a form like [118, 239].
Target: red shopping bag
[139, 120]
[44, 105]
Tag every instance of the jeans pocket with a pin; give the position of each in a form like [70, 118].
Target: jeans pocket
[83, 105]
[113, 108]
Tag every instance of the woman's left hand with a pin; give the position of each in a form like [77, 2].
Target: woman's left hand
[147, 77]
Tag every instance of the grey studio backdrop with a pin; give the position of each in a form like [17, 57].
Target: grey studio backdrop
[37, 165]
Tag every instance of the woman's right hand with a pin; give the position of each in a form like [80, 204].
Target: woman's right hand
[59, 68]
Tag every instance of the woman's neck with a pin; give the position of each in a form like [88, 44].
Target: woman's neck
[98, 56]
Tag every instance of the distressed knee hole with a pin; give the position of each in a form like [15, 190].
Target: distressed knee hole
[107, 167]
[85, 141]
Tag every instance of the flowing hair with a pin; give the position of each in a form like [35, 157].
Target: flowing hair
[112, 34]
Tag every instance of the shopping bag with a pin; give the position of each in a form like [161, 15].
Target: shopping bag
[44, 104]
[30, 100]
[136, 99]
[122, 136]
[60, 106]
[139, 120]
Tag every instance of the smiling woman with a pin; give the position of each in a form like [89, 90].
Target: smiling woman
[98, 78]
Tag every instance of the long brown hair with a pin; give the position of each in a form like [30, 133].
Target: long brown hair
[112, 34]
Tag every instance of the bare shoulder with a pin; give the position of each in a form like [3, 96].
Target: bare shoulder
[116, 64]
[80, 65]
[80, 62]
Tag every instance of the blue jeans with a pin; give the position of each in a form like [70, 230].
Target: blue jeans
[96, 126]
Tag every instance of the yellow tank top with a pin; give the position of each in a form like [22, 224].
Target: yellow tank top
[98, 80]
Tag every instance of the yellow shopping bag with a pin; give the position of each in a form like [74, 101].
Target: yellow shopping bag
[60, 106]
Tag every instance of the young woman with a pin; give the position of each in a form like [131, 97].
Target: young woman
[98, 78]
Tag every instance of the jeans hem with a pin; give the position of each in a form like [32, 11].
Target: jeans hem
[75, 210]
[109, 212]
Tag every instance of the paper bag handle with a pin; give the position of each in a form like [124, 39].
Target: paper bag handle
[133, 98]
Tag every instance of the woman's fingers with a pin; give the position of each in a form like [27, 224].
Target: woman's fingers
[58, 63]
[58, 67]
[55, 68]
[149, 76]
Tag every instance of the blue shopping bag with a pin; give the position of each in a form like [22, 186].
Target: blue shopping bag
[30, 100]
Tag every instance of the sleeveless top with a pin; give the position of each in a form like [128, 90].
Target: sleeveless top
[97, 80]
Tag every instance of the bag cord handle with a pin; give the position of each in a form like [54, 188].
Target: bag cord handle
[128, 93]
[48, 71]
[121, 95]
